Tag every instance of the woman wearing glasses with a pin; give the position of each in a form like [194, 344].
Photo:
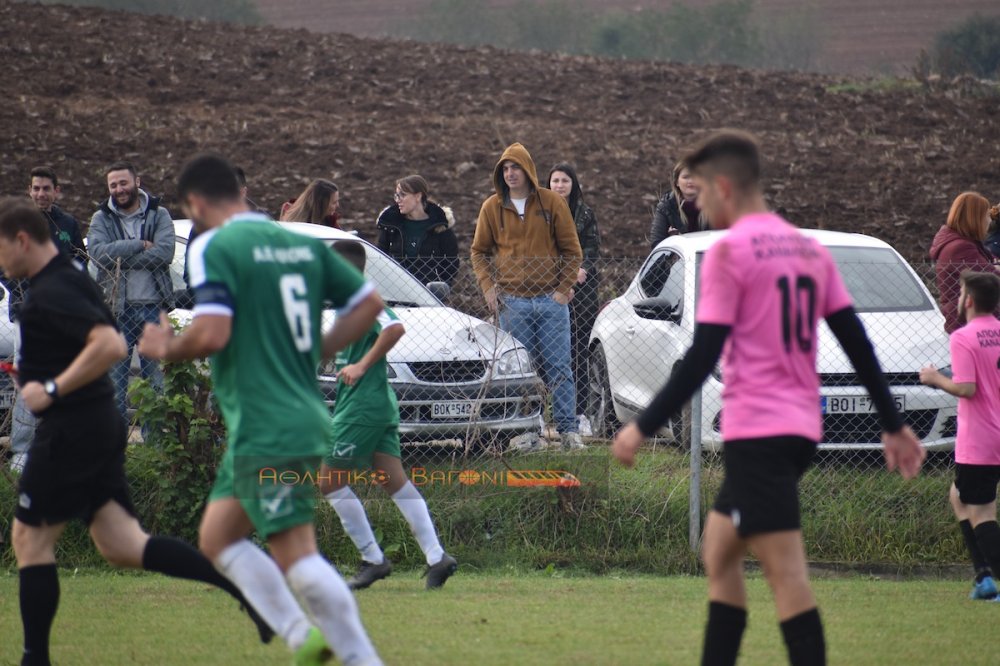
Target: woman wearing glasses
[418, 233]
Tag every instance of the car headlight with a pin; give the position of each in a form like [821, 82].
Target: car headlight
[513, 362]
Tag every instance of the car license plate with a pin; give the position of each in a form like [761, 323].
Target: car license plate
[855, 404]
[453, 410]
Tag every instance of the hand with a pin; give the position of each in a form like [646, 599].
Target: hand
[627, 442]
[155, 339]
[147, 244]
[492, 300]
[930, 376]
[903, 451]
[561, 298]
[35, 397]
[350, 374]
[581, 276]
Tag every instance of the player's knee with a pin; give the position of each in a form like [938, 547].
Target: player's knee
[210, 547]
[25, 542]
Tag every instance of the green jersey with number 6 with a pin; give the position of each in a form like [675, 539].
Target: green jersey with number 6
[273, 283]
[371, 401]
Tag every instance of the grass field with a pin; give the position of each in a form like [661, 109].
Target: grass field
[507, 618]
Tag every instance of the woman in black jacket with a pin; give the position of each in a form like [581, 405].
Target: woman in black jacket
[583, 308]
[677, 212]
[418, 233]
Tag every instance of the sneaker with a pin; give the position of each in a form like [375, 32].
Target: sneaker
[314, 651]
[369, 573]
[984, 589]
[438, 573]
[571, 442]
[586, 430]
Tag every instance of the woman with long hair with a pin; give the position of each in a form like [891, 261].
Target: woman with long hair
[319, 203]
[583, 308]
[957, 247]
[418, 233]
[677, 212]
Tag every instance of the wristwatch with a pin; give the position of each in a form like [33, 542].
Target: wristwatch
[51, 389]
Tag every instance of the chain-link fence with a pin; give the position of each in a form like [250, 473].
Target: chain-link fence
[488, 394]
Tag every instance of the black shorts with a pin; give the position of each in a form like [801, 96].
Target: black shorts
[977, 484]
[75, 465]
[760, 491]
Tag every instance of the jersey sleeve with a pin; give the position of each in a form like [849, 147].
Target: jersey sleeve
[963, 362]
[212, 276]
[388, 318]
[720, 288]
[837, 296]
[343, 285]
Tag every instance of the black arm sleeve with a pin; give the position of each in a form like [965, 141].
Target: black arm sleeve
[694, 368]
[851, 334]
[658, 229]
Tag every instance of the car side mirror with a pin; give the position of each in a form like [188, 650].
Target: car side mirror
[658, 309]
[441, 290]
[184, 299]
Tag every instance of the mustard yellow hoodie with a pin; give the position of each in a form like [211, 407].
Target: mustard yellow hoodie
[531, 257]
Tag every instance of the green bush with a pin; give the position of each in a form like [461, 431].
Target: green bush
[230, 11]
[971, 47]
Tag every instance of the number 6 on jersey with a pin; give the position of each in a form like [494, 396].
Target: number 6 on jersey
[293, 297]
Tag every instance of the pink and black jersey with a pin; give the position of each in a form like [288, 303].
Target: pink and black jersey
[975, 358]
[771, 284]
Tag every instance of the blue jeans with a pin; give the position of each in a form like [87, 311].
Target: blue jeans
[542, 325]
[131, 322]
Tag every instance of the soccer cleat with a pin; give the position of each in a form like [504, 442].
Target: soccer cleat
[438, 573]
[369, 573]
[984, 589]
[264, 630]
[571, 442]
[314, 651]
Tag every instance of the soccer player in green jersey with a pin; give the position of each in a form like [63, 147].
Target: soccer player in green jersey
[366, 437]
[260, 291]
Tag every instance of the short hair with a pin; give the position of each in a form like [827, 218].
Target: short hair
[414, 185]
[968, 216]
[45, 172]
[984, 288]
[241, 176]
[18, 214]
[211, 176]
[731, 153]
[353, 251]
[121, 165]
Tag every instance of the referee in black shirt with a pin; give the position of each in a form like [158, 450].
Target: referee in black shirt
[76, 464]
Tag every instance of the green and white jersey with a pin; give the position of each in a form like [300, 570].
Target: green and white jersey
[371, 401]
[273, 283]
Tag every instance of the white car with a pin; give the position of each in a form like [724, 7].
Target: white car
[640, 337]
[456, 377]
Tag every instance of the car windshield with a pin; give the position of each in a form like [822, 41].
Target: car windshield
[394, 283]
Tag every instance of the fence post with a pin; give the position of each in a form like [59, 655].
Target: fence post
[694, 499]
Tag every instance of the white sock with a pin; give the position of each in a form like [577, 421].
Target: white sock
[333, 608]
[355, 521]
[413, 507]
[259, 579]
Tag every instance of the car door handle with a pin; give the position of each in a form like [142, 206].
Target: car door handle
[630, 332]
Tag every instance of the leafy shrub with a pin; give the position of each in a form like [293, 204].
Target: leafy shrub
[971, 47]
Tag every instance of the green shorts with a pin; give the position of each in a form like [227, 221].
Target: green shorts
[277, 492]
[355, 445]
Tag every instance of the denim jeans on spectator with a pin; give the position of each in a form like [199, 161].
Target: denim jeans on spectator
[131, 322]
[542, 326]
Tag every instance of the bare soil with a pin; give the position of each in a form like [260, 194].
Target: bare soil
[82, 87]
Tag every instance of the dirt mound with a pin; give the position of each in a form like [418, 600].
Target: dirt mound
[83, 87]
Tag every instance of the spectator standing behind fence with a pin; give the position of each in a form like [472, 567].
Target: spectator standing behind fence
[583, 308]
[132, 242]
[993, 237]
[677, 212]
[975, 362]
[957, 247]
[418, 233]
[529, 235]
[319, 203]
[43, 188]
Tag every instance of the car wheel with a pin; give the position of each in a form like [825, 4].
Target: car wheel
[600, 408]
[680, 425]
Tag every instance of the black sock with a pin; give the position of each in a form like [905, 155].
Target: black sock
[723, 634]
[39, 600]
[988, 536]
[972, 544]
[179, 559]
[804, 639]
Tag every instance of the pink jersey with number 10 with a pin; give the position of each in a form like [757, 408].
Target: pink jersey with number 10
[771, 284]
